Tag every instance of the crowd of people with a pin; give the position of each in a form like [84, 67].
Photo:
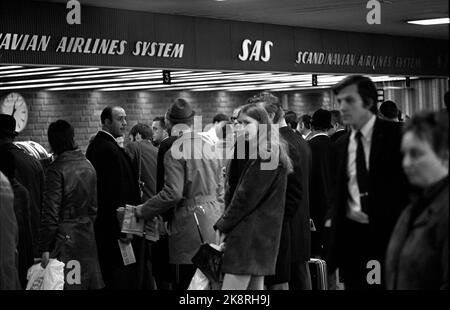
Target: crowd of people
[361, 188]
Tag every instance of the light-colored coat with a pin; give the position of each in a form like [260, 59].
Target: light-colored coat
[192, 180]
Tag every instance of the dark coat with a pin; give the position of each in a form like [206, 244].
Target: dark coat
[290, 235]
[253, 220]
[117, 185]
[30, 174]
[25, 246]
[320, 200]
[417, 255]
[68, 214]
[334, 137]
[300, 227]
[388, 190]
[143, 156]
[164, 146]
[9, 237]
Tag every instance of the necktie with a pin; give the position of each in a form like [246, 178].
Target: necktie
[362, 175]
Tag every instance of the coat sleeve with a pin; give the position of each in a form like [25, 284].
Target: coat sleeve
[294, 192]
[172, 191]
[51, 206]
[108, 165]
[247, 196]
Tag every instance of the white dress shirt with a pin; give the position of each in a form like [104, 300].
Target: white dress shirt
[354, 206]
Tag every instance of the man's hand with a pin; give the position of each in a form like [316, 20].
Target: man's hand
[127, 239]
[220, 238]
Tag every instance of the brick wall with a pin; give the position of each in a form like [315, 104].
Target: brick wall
[82, 109]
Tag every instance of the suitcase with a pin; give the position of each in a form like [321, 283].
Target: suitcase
[318, 271]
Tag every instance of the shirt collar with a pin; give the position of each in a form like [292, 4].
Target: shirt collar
[108, 134]
[319, 134]
[367, 129]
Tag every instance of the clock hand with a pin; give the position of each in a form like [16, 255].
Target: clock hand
[14, 109]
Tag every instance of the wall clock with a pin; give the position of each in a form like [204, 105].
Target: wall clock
[14, 104]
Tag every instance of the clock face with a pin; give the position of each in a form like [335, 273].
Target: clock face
[15, 105]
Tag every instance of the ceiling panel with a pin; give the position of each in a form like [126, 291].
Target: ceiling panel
[346, 15]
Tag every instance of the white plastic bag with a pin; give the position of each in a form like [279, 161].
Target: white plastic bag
[199, 282]
[50, 278]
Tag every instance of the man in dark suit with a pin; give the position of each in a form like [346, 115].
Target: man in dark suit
[371, 188]
[338, 128]
[320, 187]
[117, 185]
[294, 252]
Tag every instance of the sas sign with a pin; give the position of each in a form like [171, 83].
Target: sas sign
[255, 51]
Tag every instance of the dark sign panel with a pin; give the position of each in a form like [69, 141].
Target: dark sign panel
[37, 33]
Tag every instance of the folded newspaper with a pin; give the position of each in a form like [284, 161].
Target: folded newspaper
[132, 225]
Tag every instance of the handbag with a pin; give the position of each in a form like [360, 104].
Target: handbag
[208, 259]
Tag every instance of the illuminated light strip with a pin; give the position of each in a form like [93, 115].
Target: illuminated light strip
[250, 77]
[178, 88]
[88, 82]
[104, 74]
[181, 72]
[431, 21]
[107, 85]
[31, 86]
[112, 81]
[143, 72]
[200, 83]
[298, 88]
[178, 74]
[143, 77]
[33, 81]
[29, 70]
[9, 67]
[210, 88]
[387, 79]
[81, 73]
[218, 76]
[130, 88]
[290, 78]
[42, 73]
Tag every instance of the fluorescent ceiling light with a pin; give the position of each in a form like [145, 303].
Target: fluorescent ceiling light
[47, 72]
[130, 88]
[28, 70]
[9, 67]
[178, 88]
[128, 78]
[428, 22]
[178, 74]
[200, 83]
[81, 73]
[208, 77]
[31, 86]
[104, 85]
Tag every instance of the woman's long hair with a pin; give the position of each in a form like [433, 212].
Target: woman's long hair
[267, 144]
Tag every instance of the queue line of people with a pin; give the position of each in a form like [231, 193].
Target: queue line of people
[343, 199]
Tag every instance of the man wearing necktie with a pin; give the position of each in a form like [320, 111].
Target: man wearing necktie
[370, 187]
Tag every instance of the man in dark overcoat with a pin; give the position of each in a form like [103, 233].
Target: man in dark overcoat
[117, 185]
[320, 187]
